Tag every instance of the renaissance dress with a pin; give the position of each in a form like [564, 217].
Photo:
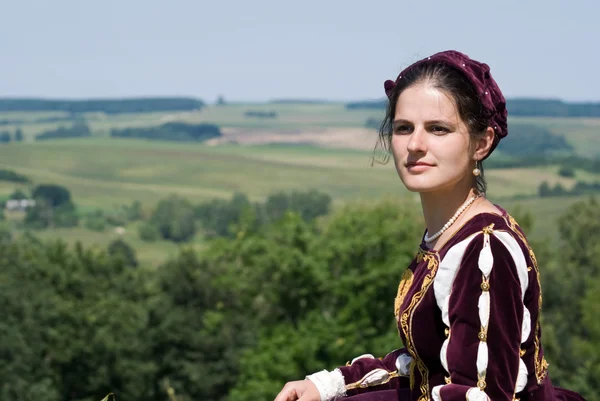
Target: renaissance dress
[469, 317]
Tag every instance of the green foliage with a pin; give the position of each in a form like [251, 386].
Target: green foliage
[5, 231]
[12, 176]
[260, 114]
[219, 215]
[566, 171]
[44, 215]
[108, 106]
[580, 188]
[18, 194]
[95, 221]
[271, 304]
[79, 129]
[53, 195]
[525, 137]
[119, 249]
[308, 204]
[174, 131]
[570, 300]
[5, 137]
[72, 325]
[19, 135]
[221, 218]
[148, 232]
[174, 218]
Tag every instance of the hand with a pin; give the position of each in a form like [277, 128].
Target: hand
[301, 390]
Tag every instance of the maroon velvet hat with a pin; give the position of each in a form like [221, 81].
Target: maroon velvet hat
[479, 75]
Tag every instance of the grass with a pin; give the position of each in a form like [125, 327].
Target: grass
[105, 173]
[582, 133]
[149, 254]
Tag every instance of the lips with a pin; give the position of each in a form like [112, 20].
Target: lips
[413, 164]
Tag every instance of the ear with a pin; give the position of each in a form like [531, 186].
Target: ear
[483, 144]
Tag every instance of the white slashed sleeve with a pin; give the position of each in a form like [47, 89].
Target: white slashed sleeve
[479, 288]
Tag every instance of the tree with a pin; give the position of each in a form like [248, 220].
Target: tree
[18, 194]
[19, 135]
[5, 137]
[174, 219]
[54, 195]
[219, 216]
[119, 249]
[566, 171]
[544, 190]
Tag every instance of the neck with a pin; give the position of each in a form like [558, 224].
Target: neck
[440, 206]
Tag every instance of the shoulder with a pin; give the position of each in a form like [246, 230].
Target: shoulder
[493, 243]
[498, 228]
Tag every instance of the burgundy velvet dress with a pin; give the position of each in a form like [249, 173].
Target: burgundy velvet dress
[468, 316]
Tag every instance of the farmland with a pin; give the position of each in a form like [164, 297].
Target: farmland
[319, 146]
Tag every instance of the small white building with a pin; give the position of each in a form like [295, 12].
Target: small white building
[20, 205]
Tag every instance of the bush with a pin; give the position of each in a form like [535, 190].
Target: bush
[18, 195]
[54, 195]
[9, 175]
[565, 171]
[148, 232]
[119, 249]
[43, 215]
[95, 221]
[174, 218]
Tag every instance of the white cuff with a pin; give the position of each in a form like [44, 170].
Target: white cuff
[331, 385]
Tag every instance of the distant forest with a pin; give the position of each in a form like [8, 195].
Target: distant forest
[174, 131]
[518, 107]
[108, 106]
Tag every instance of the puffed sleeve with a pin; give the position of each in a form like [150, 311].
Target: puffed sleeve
[480, 289]
[364, 373]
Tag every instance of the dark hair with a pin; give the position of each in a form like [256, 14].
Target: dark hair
[455, 84]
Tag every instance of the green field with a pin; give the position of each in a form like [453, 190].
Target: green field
[103, 172]
[582, 133]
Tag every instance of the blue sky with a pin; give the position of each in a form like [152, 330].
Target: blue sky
[267, 49]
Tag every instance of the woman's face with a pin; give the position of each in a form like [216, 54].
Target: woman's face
[430, 142]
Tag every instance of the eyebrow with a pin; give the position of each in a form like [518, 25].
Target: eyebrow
[429, 122]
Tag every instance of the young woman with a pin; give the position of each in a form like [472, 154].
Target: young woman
[468, 305]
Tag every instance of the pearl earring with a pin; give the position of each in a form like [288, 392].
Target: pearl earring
[476, 171]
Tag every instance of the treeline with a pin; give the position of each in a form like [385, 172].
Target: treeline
[567, 162]
[267, 305]
[260, 114]
[13, 176]
[580, 188]
[173, 131]
[221, 217]
[516, 107]
[78, 129]
[108, 106]
[18, 121]
[177, 219]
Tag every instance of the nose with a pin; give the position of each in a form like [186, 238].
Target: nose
[416, 142]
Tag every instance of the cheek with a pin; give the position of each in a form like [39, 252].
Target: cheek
[398, 145]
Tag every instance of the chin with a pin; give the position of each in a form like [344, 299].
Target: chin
[417, 183]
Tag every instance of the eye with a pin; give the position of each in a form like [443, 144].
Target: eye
[439, 130]
[403, 129]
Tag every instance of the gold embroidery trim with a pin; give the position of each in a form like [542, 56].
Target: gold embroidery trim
[406, 323]
[362, 384]
[541, 366]
[405, 283]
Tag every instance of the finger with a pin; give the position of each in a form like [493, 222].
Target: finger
[287, 394]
